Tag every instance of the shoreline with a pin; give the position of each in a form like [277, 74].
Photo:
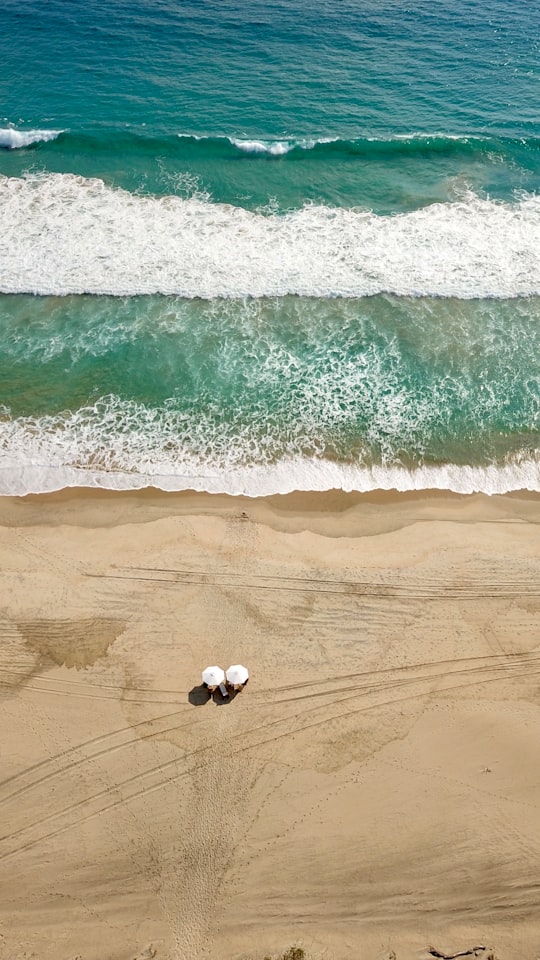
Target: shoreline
[329, 512]
[374, 788]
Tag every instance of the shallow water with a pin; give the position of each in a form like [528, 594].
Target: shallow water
[279, 247]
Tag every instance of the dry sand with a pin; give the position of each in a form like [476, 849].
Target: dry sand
[375, 790]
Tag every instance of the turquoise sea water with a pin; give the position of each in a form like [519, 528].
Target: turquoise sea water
[275, 246]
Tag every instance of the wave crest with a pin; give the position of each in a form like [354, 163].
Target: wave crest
[398, 145]
[11, 139]
[274, 148]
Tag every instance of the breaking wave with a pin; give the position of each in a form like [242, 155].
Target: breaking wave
[195, 146]
[12, 139]
[67, 234]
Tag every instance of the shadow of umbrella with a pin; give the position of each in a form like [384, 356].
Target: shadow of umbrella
[199, 695]
[220, 700]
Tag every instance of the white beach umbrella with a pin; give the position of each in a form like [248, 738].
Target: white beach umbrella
[237, 674]
[213, 676]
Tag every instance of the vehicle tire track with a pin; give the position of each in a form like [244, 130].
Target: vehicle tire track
[353, 691]
[156, 772]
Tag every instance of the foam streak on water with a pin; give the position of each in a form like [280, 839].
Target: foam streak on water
[64, 234]
[261, 396]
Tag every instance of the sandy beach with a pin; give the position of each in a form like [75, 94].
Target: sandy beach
[373, 792]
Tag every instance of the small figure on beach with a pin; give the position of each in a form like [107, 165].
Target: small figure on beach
[237, 676]
[212, 678]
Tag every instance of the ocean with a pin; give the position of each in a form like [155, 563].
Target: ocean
[255, 248]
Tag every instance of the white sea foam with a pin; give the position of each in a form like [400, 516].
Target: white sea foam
[436, 135]
[20, 477]
[275, 148]
[66, 234]
[118, 448]
[12, 139]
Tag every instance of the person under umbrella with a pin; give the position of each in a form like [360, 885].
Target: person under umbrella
[212, 677]
[237, 676]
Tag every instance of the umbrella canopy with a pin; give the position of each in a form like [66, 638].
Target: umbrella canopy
[237, 674]
[213, 676]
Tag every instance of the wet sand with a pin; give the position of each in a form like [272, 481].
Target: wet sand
[375, 789]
